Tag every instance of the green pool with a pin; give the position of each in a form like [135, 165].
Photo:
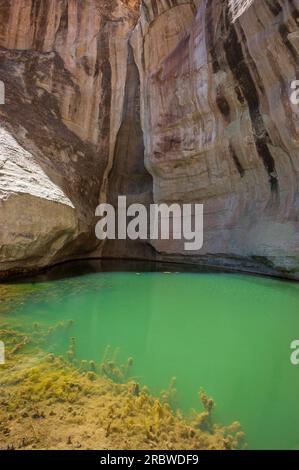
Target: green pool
[229, 334]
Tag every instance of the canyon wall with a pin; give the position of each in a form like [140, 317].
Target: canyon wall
[181, 101]
[219, 125]
[63, 64]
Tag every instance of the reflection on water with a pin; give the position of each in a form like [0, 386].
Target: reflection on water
[229, 334]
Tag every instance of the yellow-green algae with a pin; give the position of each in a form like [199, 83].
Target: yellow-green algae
[50, 402]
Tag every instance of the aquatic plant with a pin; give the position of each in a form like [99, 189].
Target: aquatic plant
[110, 368]
[170, 394]
[49, 402]
[71, 352]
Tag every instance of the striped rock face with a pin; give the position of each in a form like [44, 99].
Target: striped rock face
[219, 125]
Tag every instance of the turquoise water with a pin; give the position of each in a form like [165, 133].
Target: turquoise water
[229, 334]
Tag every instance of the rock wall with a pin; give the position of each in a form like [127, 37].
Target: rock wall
[178, 101]
[220, 128]
[63, 63]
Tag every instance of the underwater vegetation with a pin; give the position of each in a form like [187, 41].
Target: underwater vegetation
[14, 296]
[51, 402]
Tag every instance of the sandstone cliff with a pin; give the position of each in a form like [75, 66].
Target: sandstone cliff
[219, 126]
[63, 63]
[182, 101]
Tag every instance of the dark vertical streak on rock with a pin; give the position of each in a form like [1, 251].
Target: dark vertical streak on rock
[34, 16]
[242, 75]
[39, 18]
[274, 7]
[239, 95]
[155, 8]
[236, 161]
[210, 36]
[223, 106]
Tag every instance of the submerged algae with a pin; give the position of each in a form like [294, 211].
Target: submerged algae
[48, 402]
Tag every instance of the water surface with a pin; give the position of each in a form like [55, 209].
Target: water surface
[229, 334]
